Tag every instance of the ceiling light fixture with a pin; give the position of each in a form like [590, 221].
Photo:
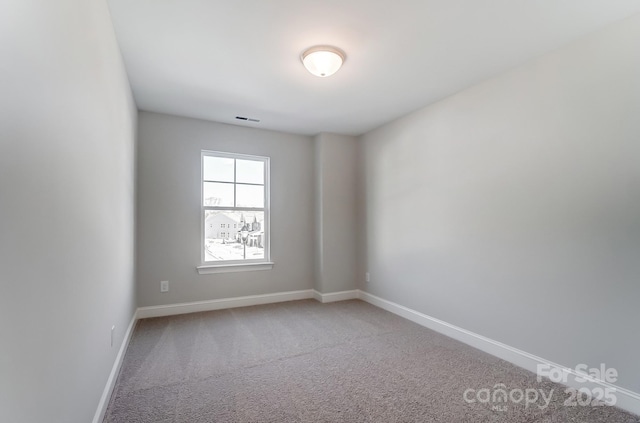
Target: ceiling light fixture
[323, 61]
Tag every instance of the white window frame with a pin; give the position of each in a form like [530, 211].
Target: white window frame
[265, 263]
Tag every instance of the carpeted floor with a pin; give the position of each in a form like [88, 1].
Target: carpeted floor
[304, 361]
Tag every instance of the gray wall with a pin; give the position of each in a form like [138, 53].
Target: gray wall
[336, 212]
[521, 200]
[168, 229]
[67, 154]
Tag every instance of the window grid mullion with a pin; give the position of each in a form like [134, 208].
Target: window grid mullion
[235, 200]
[239, 183]
[216, 182]
[228, 208]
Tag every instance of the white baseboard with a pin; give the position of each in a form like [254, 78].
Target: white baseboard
[317, 296]
[194, 307]
[626, 399]
[113, 376]
[336, 296]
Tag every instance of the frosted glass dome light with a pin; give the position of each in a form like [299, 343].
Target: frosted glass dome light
[323, 61]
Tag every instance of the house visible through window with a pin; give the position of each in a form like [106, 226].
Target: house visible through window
[235, 194]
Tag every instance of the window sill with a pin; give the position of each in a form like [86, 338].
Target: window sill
[207, 269]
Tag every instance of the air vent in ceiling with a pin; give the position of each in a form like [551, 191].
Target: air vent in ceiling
[247, 119]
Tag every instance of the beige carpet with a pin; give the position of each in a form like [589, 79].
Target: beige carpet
[304, 361]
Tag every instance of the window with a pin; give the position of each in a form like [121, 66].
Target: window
[235, 191]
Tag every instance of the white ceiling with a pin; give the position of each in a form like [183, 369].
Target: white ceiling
[216, 59]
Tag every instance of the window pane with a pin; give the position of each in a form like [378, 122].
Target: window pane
[250, 171]
[249, 195]
[217, 169]
[217, 194]
[245, 242]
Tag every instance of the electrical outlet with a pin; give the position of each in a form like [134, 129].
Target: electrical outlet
[113, 330]
[367, 278]
[164, 286]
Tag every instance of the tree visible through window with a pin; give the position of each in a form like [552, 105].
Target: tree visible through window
[235, 196]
